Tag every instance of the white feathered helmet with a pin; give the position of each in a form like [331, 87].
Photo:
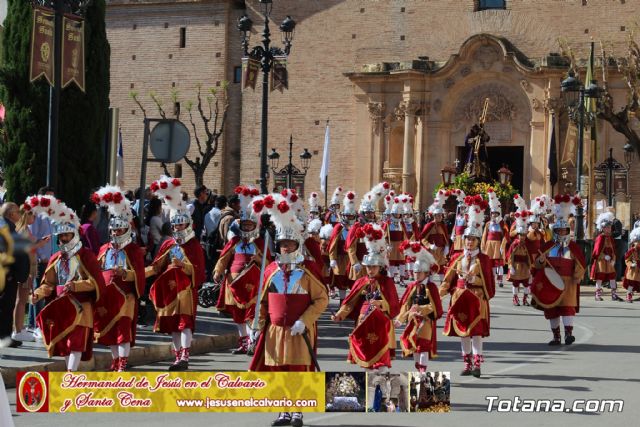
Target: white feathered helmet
[349, 204]
[421, 259]
[522, 217]
[634, 236]
[246, 194]
[313, 203]
[476, 206]
[112, 197]
[460, 199]
[564, 205]
[169, 190]
[437, 207]
[376, 246]
[335, 198]
[494, 203]
[63, 218]
[369, 202]
[388, 202]
[605, 219]
[539, 207]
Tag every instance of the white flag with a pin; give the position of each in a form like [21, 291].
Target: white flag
[120, 162]
[324, 171]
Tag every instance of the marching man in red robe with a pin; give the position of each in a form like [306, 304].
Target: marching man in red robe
[631, 280]
[411, 230]
[560, 268]
[355, 245]
[396, 232]
[180, 270]
[291, 300]
[420, 308]
[338, 255]
[72, 284]
[435, 235]
[314, 209]
[519, 260]
[603, 257]
[495, 237]
[457, 234]
[469, 281]
[122, 264]
[373, 304]
[239, 267]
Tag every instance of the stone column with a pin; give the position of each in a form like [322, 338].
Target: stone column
[377, 137]
[408, 156]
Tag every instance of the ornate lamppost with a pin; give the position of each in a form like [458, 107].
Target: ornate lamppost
[290, 170]
[266, 54]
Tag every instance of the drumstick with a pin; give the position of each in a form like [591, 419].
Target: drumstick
[548, 263]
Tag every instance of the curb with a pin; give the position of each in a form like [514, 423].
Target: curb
[138, 356]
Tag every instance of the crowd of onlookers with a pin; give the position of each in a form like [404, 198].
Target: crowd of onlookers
[212, 216]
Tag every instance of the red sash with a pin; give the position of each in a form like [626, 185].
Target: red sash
[494, 235]
[460, 230]
[239, 262]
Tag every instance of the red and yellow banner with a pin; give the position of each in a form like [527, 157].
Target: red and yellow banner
[170, 392]
[42, 46]
[250, 68]
[73, 51]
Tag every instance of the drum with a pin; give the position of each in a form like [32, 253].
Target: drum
[547, 288]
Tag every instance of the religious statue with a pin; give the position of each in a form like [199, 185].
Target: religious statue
[477, 160]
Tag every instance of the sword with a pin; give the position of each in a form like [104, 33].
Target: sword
[256, 317]
[305, 335]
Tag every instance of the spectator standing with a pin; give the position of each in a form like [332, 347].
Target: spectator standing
[154, 221]
[88, 233]
[201, 207]
[227, 216]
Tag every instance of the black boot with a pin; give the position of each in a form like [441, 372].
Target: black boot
[284, 419]
[477, 360]
[466, 358]
[242, 346]
[568, 335]
[296, 419]
[556, 336]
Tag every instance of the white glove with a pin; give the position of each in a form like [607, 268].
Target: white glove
[255, 334]
[633, 265]
[432, 246]
[333, 263]
[607, 258]
[357, 267]
[446, 250]
[298, 328]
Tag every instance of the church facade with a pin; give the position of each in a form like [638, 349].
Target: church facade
[401, 83]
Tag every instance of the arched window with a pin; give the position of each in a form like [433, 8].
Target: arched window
[491, 4]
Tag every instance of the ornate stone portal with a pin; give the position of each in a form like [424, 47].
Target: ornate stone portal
[422, 115]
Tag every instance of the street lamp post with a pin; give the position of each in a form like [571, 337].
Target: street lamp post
[290, 169]
[265, 54]
[575, 94]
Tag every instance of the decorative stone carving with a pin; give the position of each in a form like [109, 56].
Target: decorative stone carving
[486, 56]
[500, 108]
[553, 104]
[409, 107]
[526, 86]
[536, 104]
[376, 110]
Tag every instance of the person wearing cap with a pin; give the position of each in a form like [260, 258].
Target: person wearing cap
[519, 260]
[179, 267]
[122, 264]
[603, 257]
[332, 216]
[239, 268]
[72, 284]
[469, 280]
[495, 237]
[434, 235]
[290, 302]
[420, 307]
[338, 256]
[460, 223]
[559, 259]
[631, 281]
[373, 304]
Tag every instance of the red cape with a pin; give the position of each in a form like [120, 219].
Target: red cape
[313, 248]
[335, 234]
[443, 230]
[388, 289]
[135, 259]
[485, 265]
[195, 255]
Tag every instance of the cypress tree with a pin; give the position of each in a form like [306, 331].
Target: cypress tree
[83, 116]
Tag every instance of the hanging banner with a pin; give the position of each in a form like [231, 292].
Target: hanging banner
[279, 74]
[250, 68]
[42, 46]
[620, 182]
[73, 51]
[570, 146]
[600, 182]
